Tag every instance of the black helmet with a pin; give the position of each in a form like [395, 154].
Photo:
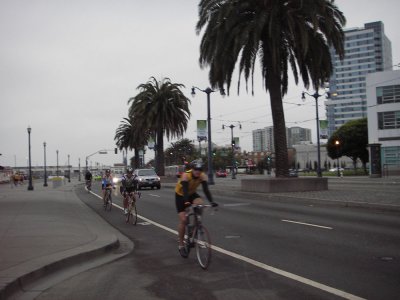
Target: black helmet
[198, 166]
[129, 170]
[108, 171]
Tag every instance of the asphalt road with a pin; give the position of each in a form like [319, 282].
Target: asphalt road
[355, 252]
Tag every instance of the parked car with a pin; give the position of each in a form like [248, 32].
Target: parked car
[221, 173]
[293, 173]
[335, 169]
[147, 178]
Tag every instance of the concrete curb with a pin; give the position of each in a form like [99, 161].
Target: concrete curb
[14, 280]
[16, 285]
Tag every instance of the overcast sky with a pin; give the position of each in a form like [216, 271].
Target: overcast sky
[67, 69]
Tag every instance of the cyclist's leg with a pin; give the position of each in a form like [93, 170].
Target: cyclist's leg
[180, 207]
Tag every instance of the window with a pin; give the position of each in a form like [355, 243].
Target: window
[391, 155]
[389, 120]
[388, 94]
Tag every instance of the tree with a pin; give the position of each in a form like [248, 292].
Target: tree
[126, 137]
[160, 108]
[180, 151]
[277, 34]
[353, 142]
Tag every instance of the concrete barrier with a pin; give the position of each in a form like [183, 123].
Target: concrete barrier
[282, 185]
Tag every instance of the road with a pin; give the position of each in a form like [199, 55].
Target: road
[284, 251]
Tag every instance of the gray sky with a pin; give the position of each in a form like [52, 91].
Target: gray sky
[67, 69]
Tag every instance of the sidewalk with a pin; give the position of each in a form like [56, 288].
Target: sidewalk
[45, 230]
[380, 193]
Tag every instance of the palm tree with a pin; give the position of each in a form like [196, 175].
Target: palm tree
[160, 108]
[128, 137]
[276, 34]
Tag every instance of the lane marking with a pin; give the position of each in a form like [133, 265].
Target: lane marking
[237, 204]
[154, 195]
[261, 265]
[307, 224]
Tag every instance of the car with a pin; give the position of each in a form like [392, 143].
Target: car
[147, 178]
[221, 173]
[293, 173]
[335, 170]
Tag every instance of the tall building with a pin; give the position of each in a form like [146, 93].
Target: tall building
[383, 95]
[263, 139]
[367, 50]
[297, 135]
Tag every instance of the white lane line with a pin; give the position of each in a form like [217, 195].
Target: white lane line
[236, 204]
[261, 265]
[154, 195]
[307, 224]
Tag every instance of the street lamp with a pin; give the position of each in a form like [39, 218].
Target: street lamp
[208, 91]
[69, 170]
[30, 186]
[316, 96]
[233, 147]
[57, 163]
[337, 144]
[45, 171]
[79, 165]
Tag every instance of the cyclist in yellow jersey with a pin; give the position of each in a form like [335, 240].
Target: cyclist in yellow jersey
[186, 191]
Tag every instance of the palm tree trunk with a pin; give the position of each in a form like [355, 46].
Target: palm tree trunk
[278, 118]
[137, 164]
[160, 152]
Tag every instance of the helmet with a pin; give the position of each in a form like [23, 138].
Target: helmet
[198, 166]
[108, 171]
[129, 170]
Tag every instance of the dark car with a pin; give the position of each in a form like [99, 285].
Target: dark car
[221, 173]
[147, 178]
[293, 173]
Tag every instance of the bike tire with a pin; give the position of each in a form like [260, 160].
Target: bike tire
[203, 247]
[132, 215]
[186, 240]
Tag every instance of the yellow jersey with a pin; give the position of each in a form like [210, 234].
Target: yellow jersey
[193, 183]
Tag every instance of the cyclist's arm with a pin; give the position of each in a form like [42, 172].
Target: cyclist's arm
[207, 191]
[185, 187]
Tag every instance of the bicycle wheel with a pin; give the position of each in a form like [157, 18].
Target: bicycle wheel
[132, 214]
[186, 239]
[203, 246]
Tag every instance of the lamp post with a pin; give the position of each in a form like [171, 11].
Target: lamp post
[30, 186]
[337, 144]
[316, 96]
[79, 165]
[233, 148]
[45, 171]
[69, 170]
[57, 163]
[208, 91]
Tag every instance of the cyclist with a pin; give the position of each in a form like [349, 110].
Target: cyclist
[106, 182]
[128, 185]
[185, 191]
[88, 178]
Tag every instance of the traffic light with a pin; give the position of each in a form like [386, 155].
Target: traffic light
[269, 158]
[214, 152]
[115, 150]
[233, 143]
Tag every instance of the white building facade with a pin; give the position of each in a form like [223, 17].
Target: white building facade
[383, 96]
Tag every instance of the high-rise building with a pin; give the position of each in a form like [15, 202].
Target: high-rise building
[298, 135]
[367, 50]
[263, 139]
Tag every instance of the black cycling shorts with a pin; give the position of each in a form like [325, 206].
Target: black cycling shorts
[130, 189]
[180, 204]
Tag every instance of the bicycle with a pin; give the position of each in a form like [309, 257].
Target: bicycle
[196, 235]
[107, 199]
[131, 216]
